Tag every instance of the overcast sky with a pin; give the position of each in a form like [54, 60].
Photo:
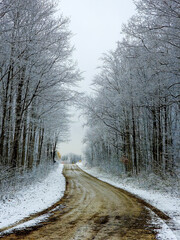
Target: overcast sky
[96, 25]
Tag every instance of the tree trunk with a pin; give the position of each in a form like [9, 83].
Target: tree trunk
[41, 139]
[18, 115]
[134, 141]
[154, 141]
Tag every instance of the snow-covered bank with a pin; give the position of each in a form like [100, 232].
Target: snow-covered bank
[161, 200]
[34, 199]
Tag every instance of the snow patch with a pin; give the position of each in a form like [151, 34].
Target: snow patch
[164, 232]
[27, 224]
[36, 198]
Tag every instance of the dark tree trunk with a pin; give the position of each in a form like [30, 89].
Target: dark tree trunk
[18, 115]
[134, 141]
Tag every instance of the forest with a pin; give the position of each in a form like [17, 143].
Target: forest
[133, 114]
[125, 184]
[37, 75]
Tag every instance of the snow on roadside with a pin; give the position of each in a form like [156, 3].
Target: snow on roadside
[164, 232]
[27, 224]
[36, 198]
[163, 201]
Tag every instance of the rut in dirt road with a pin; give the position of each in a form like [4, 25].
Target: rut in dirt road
[92, 210]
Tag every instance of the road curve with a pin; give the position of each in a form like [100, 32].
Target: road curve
[92, 209]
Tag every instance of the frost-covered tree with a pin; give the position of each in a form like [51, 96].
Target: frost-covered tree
[136, 98]
[36, 75]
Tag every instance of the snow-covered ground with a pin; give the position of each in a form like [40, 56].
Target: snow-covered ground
[33, 199]
[162, 200]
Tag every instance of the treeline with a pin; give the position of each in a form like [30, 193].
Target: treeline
[36, 73]
[133, 115]
[71, 158]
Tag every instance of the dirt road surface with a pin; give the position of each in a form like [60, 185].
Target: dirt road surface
[92, 209]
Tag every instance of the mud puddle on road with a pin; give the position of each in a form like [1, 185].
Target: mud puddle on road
[91, 210]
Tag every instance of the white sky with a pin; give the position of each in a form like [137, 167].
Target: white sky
[96, 25]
